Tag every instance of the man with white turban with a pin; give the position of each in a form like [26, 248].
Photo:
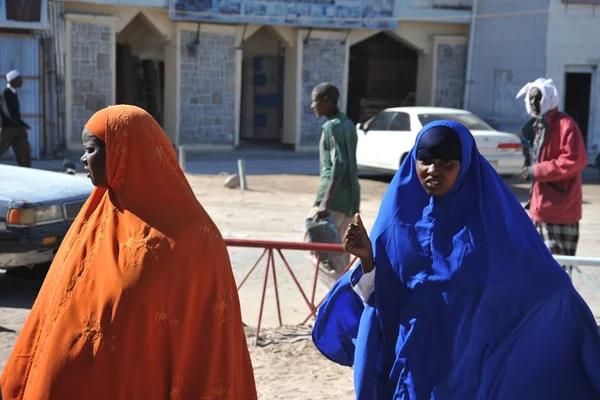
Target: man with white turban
[13, 130]
[558, 155]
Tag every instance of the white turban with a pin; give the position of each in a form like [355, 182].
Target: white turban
[549, 96]
[14, 74]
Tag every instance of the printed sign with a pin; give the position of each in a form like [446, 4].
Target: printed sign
[345, 14]
[23, 14]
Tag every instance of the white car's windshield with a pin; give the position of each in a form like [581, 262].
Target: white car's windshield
[472, 122]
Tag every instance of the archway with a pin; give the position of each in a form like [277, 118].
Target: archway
[262, 89]
[383, 74]
[140, 67]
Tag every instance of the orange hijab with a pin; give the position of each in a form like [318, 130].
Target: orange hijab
[140, 301]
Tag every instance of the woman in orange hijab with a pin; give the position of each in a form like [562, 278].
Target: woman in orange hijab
[140, 301]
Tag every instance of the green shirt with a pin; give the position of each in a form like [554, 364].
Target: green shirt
[337, 150]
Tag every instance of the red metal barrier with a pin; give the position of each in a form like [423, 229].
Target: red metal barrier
[270, 247]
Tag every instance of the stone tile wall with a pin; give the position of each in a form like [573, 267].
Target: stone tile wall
[92, 72]
[450, 79]
[323, 61]
[207, 90]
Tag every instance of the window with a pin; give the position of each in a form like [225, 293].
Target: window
[400, 123]
[472, 122]
[381, 121]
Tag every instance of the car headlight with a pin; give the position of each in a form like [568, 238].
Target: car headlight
[28, 216]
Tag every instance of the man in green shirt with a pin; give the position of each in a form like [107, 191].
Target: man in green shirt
[339, 191]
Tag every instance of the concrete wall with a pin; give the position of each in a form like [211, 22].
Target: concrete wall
[207, 90]
[421, 36]
[573, 41]
[509, 51]
[450, 55]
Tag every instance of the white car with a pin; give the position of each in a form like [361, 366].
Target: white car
[386, 139]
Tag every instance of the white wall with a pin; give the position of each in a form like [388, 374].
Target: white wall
[574, 40]
[509, 50]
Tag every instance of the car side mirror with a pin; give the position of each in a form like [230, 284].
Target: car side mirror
[363, 126]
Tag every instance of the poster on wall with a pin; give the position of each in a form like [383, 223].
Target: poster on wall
[23, 14]
[344, 14]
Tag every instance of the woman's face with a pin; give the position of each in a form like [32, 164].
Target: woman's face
[437, 176]
[94, 159]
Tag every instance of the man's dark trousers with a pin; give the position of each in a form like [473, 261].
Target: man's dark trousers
[17, 138]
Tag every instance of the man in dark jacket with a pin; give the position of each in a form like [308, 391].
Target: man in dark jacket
[558, 156]
[13, 131]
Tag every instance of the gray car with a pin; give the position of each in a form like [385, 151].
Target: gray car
[37, 209]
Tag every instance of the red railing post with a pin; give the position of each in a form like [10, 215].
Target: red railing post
[252, 269]
[272, 257]
[313, 314]
[314, 288]
[262, 299]
[308, 303]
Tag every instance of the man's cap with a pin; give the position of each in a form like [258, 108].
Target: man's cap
[12, 75]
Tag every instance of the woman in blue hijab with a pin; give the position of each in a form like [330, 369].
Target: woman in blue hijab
[456, 296]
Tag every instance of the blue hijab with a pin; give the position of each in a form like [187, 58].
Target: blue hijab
[468, 302]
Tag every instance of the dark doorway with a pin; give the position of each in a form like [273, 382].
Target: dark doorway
[383, 74]
[140, 82]
[140, 67]
[577, 99]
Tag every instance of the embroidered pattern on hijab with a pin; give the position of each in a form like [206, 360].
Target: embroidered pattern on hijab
[466, 293]
[550, 98]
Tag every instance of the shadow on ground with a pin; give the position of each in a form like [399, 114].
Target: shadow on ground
[18, 292]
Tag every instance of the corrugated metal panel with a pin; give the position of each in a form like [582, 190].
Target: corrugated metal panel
[58, 31]
[22, 53]
[55, 73]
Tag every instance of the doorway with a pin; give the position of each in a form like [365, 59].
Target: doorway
[382, 74]
[578, 97]
[141, 67]
[262, 89]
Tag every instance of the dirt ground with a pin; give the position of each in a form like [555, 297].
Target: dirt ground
[286, 364]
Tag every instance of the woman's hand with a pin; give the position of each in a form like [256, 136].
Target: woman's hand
[356, 242]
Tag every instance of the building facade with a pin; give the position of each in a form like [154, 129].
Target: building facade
[515, 42]
[216, 79]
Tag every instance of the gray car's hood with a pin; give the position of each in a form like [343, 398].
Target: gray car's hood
[36, 185]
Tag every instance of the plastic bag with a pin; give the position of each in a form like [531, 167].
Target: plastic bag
[323, 231]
